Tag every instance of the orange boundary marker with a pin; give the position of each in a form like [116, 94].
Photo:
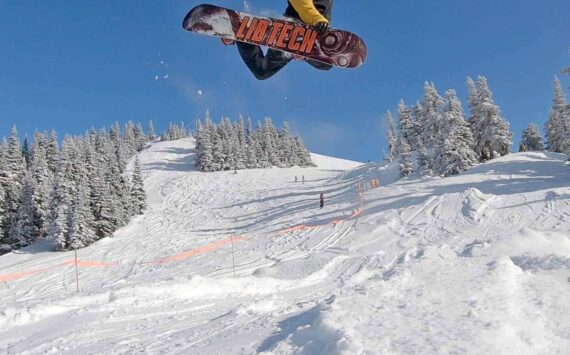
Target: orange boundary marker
[187, 254]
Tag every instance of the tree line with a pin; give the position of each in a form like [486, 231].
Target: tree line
[236, 145]
[75, 193]
[437, 134]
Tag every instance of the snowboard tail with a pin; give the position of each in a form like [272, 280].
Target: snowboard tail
[339, 48]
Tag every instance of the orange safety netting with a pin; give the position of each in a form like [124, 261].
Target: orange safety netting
[186, 254]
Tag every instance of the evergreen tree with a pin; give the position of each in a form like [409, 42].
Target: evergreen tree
[557, 125]
[490, 131]
[130, 139]
[406, 165]
[23, 231]
[26, 152]
[206, 150]
[407, 127]
[151, 133]
[531, 139]
[241, 156]
[138, 195]
[58, 210]
[80, 220]
[13, 177]
[2, 219]
[392, 137]
[43, 180]
[431, 117]
[52, 152]
[269, 144]
[455, 153]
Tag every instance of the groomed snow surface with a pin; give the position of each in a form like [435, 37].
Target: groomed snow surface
[472, 264]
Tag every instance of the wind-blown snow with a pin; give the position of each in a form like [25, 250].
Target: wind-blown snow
[477, 263]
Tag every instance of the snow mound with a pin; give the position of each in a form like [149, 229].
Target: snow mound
[475, 203]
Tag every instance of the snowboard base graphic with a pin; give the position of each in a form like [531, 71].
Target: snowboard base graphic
[338, 48]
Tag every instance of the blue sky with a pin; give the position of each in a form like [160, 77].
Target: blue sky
[70, 65]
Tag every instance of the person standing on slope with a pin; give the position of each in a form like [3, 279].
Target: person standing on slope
[311, 12]
[322, 198]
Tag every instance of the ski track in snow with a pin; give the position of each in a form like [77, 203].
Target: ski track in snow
[478, 263]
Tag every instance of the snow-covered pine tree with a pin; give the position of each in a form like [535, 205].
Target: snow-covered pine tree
[454, 153]
[241, 157]
[490, 131]
[392, 138]
[406, 164]
[217, 149]
[115, 133]
[285, 149]
[140, 137]
[228, 146]
[13, 177]
[138, 195]
[52, 151]
[119, 185]
[23, 231]
[431, 116]
[269, 143]
[557, 125]
[252, 147]
[26, 152]
[103, 205]
[407, 127]
[130, 139]
[151, 133]
[43, 178]
[3, 248]
[302, 153]
[58, 210]
[206, 149]
[80, 220]
[531, 139]
[252, 160]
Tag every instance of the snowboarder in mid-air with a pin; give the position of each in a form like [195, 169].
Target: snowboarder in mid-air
[315, 13]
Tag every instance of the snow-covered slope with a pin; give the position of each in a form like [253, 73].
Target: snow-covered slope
[478, 263]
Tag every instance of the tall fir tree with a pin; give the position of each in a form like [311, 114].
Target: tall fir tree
[138, 195]
[14, 172]
[431, 119]
[58, 210]
[455, 152]
[3, 248]
[80, 220]
[52, 151]
[557, 125]
[406, 164]
[490, 130]
[407, 127]
[23, 231]
[531, 139]
[151, 133]
[392, 137]
[26, 152]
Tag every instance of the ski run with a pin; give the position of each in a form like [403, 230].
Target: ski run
[477, 263]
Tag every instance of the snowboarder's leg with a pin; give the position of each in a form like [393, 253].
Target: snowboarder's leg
[263, 66]
[319, 65]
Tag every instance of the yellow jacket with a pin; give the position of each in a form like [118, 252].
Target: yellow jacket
[308, 12]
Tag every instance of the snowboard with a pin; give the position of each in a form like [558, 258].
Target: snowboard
[338, 48]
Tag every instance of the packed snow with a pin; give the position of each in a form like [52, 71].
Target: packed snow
[476, 263]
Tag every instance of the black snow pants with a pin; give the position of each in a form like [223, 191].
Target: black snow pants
[265, 66]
